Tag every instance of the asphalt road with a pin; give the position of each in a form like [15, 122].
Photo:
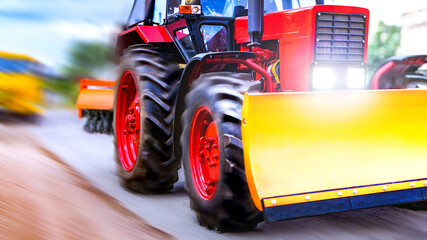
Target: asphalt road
[92, 155]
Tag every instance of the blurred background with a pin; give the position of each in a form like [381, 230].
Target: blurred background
[68, 39]
[71, 39]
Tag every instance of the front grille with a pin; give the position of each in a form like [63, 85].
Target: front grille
[340, 37]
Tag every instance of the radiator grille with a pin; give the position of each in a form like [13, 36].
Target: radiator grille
[340, 37]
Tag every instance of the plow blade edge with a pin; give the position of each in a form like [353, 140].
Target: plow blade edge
[313, 153]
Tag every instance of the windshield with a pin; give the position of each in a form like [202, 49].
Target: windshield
[137, 13]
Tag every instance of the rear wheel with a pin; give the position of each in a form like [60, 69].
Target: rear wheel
[212, 152]
[143, 117]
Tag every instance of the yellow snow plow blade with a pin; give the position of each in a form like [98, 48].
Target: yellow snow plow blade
[310, 147]
[95, 94]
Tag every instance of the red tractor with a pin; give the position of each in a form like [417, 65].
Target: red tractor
[270, 121]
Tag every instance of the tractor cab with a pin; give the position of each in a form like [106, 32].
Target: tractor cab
[211, 29]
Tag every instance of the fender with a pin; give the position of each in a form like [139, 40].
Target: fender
[202, 63]
[141, 34]
[395, 66]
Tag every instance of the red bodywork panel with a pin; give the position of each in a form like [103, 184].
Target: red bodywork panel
[150, 34]
[295, 30]
[176, 25]
[141, 34]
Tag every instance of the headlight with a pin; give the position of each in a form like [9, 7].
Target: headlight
[324, 78]
[337, 76]
[356, 78]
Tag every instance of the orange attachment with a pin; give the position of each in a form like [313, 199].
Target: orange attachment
[95, 94]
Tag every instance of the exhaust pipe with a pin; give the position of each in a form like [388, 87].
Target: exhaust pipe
[255, 21]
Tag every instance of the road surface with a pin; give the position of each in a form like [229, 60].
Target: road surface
[92, 155]
[41, 197]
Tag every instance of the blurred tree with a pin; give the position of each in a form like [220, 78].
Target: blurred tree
[65, 88]
[383, 45]
[87, 59]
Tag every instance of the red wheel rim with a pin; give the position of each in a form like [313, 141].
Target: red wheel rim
[204, 153]
[127, 121]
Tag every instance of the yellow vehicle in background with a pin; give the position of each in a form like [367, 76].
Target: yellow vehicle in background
[20, 84]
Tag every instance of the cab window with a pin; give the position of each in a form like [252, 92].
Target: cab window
[214, 37]
[184, 39]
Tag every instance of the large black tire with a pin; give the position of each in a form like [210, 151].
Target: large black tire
[157, 78]
[231, 207]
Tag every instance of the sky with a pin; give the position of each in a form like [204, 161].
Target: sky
[44, 29]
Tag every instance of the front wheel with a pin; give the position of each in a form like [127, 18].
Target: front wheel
[212, 152]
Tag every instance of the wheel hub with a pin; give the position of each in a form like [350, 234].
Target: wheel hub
[132, 123]
[204, 153]
[128, 121]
